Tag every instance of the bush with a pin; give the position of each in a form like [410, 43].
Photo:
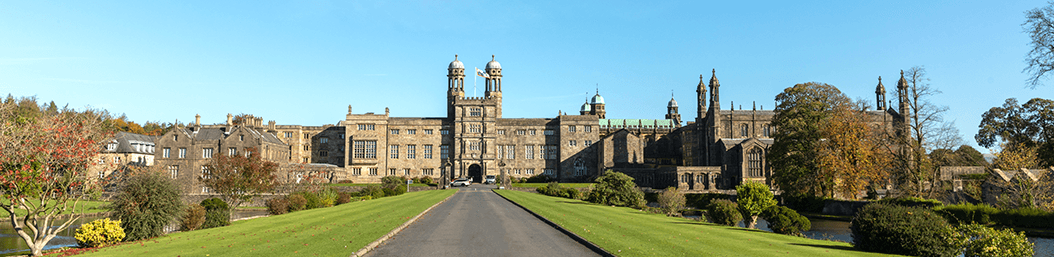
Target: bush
[194, 217]
[427, 180]
[343, 198]
[805, 203]
[911, 201]
[785, 220]
[278, 206]
[217, 213]
[296, 202]
[895, 229]
[398, 190]
[753, 198]
[146, 204]
[540, 178]
[327, 197]
[671, 201]
[1025, 217]
[312, 200]
[618, 189]
[372, 191]
[392, 181]
[99, 232]
[968, 213]
[986, 241]
[555, 189]
[724, 212]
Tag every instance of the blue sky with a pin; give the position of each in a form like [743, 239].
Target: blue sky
[304, 62]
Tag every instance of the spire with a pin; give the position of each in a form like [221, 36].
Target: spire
[880, 89]
[713, 78]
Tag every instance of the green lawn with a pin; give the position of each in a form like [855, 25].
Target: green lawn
[537, 185]
[335, 231]
[83, 207]
[375, 184]
[629, 232]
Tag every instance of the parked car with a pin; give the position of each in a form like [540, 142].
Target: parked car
[461, 182]
[490, 180]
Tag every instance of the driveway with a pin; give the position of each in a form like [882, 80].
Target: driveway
[478, 222]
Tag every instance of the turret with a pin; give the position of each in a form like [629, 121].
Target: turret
[671, 112]
[880, 94]
[701, 103]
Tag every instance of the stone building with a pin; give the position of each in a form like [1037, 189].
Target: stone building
[124, 149]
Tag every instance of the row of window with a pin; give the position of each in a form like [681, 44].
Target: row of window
[744, 130]
[205, 152]
[548, 152]
[173, 170]
[357, 171]
[411, 151]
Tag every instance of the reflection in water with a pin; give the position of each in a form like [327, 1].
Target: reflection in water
[11, 243]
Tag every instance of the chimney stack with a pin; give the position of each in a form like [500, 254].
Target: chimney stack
[197, 120]
[230, 119]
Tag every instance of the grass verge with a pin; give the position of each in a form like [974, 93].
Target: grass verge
[629, 232]
[537, 185]
[335, 231]
[375, 184]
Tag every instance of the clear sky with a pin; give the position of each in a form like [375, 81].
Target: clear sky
[304, 62]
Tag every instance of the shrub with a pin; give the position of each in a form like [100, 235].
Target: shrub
[723, 212]
[217, 213]
[327, 197]
[671, 201]
[753, 198]
[618, 189]
[296, 202]
[555, 189]
[343, 198]
[278, 206]
[700, 201]
[1025, 217]
[785, 220]
[805, 203]
[146, 204]
[896, 229]
[99, 232]
[193, 218]
[540, 178]
[373, 191]
[392, 181]
[311, 198]
[968, 213]
[986, 241]
[427, 180]
[911, 201]
[398, 190]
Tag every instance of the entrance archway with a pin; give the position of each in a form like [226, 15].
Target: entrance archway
[476, 173]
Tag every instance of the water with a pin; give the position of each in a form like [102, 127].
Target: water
[11, 243]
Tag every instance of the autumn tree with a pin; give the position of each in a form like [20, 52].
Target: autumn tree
[1039, 24]
[239, 178]
[1022, 190]
[801, 112]
[853, 154]
[43, 160]
[927, 131]
[1028, 125]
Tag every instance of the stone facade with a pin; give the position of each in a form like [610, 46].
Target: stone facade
[125, 149]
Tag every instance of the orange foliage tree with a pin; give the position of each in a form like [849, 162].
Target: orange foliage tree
[852, 155]
[239, 178]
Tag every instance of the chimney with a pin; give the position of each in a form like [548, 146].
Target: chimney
[197, 120]
[230, 119]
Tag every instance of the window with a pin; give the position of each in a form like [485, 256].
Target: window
[530, 171]
[548, 132]
[589, 143]
[323, 153]
[589, 128]
[444, 151]
[323, 140]
[394, 149]
[532, 132]
[373, 171]
[307, 136]
[241, 137]
[475, 128]
[521, 132]
[206, 153]
[391, 172]
[364, 149]
[411, 151]
[182, 153]
[305, 160]
[166, 152]
[175, 138]
[475, 111]
[517, 171]
[551, 152]
[572, 143]
[744, 130]
[444, 131]
[205, 172]
[529, 152]
[288, 134]
[754, 168]
[580, 167]
[501, 132]
[111, 146]
[173, 170]
[510, 151]
[473, 146]
[426, 172]
[356, 171]
[572, 128]
[766, 130]
[233, 151]
[428, 151]
[406, 172]
[411, 132]
[428, 132]
[395, 132]
[365, 126]
[341, 136]
[549, 172]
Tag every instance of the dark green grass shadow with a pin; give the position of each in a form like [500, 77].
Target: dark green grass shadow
[834, 247]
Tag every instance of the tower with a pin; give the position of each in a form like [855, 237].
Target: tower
[671, 112]
[902, 95]
[585, 108]
[597, 105]
[701, 103]
[455, 84]
[714, 114]
[880, 94]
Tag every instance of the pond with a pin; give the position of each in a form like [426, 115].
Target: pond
[11, 243]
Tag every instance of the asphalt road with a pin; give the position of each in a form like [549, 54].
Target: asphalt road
[478, 222]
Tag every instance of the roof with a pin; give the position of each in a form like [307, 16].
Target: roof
[636, 123]
[493, 64]
[133, 143]
[456, 64]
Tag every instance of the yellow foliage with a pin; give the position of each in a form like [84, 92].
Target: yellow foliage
[99, 232]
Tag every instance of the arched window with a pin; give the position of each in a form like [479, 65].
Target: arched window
[580, 168]
[754, 163]
[766, 130]
[744, 130]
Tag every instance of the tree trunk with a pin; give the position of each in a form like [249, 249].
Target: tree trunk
[750, 221]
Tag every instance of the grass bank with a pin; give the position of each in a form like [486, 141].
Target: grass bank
[537, 185]
[629, 232]
[335, 231]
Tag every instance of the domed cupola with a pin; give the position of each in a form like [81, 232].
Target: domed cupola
[597, 99]
[493, 64]
[585, 108]
[456, 64]
[672, 104]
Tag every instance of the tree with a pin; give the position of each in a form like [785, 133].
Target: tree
[239, 178]
[146, 204]
[927, 130]
[618, 189]
[854, 154]
[801, 112]
[671, 201]
[753, 198]
[43, 161]
[1039, 24]
[1027, 125]
[1021, 189]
